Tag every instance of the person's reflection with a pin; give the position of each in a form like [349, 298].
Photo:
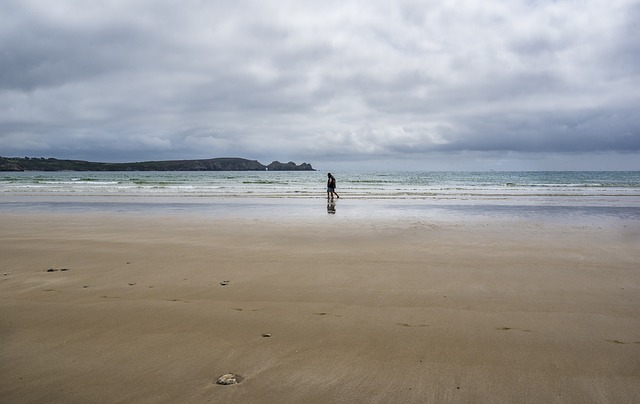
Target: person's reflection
[331, 207]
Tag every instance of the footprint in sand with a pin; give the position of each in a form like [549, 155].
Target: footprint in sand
[322, 313]
[615, 341]
[412, 325]
[509, 328]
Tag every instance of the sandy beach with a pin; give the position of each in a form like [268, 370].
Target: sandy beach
[152, 308]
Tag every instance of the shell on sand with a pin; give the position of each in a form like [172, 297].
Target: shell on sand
[229, 378]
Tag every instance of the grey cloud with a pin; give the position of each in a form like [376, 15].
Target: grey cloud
[317, 80]
[39, 52]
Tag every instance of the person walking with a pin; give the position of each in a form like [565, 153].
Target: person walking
[331, 187]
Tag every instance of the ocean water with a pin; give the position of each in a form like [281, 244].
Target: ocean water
[302, 193]
[511, 186]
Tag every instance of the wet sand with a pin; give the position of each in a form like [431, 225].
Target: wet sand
[152, 308]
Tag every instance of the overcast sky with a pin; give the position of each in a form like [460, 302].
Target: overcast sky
[442, 84]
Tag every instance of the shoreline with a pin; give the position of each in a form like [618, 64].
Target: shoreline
[430, 309]
[443, 188]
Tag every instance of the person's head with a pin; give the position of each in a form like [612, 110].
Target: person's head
[329, 175]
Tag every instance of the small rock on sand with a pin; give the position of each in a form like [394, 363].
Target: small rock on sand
[229, 378]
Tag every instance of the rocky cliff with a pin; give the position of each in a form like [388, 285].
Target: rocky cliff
[290, 166]
[215, 164]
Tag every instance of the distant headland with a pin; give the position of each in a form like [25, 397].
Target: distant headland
[214, 164]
